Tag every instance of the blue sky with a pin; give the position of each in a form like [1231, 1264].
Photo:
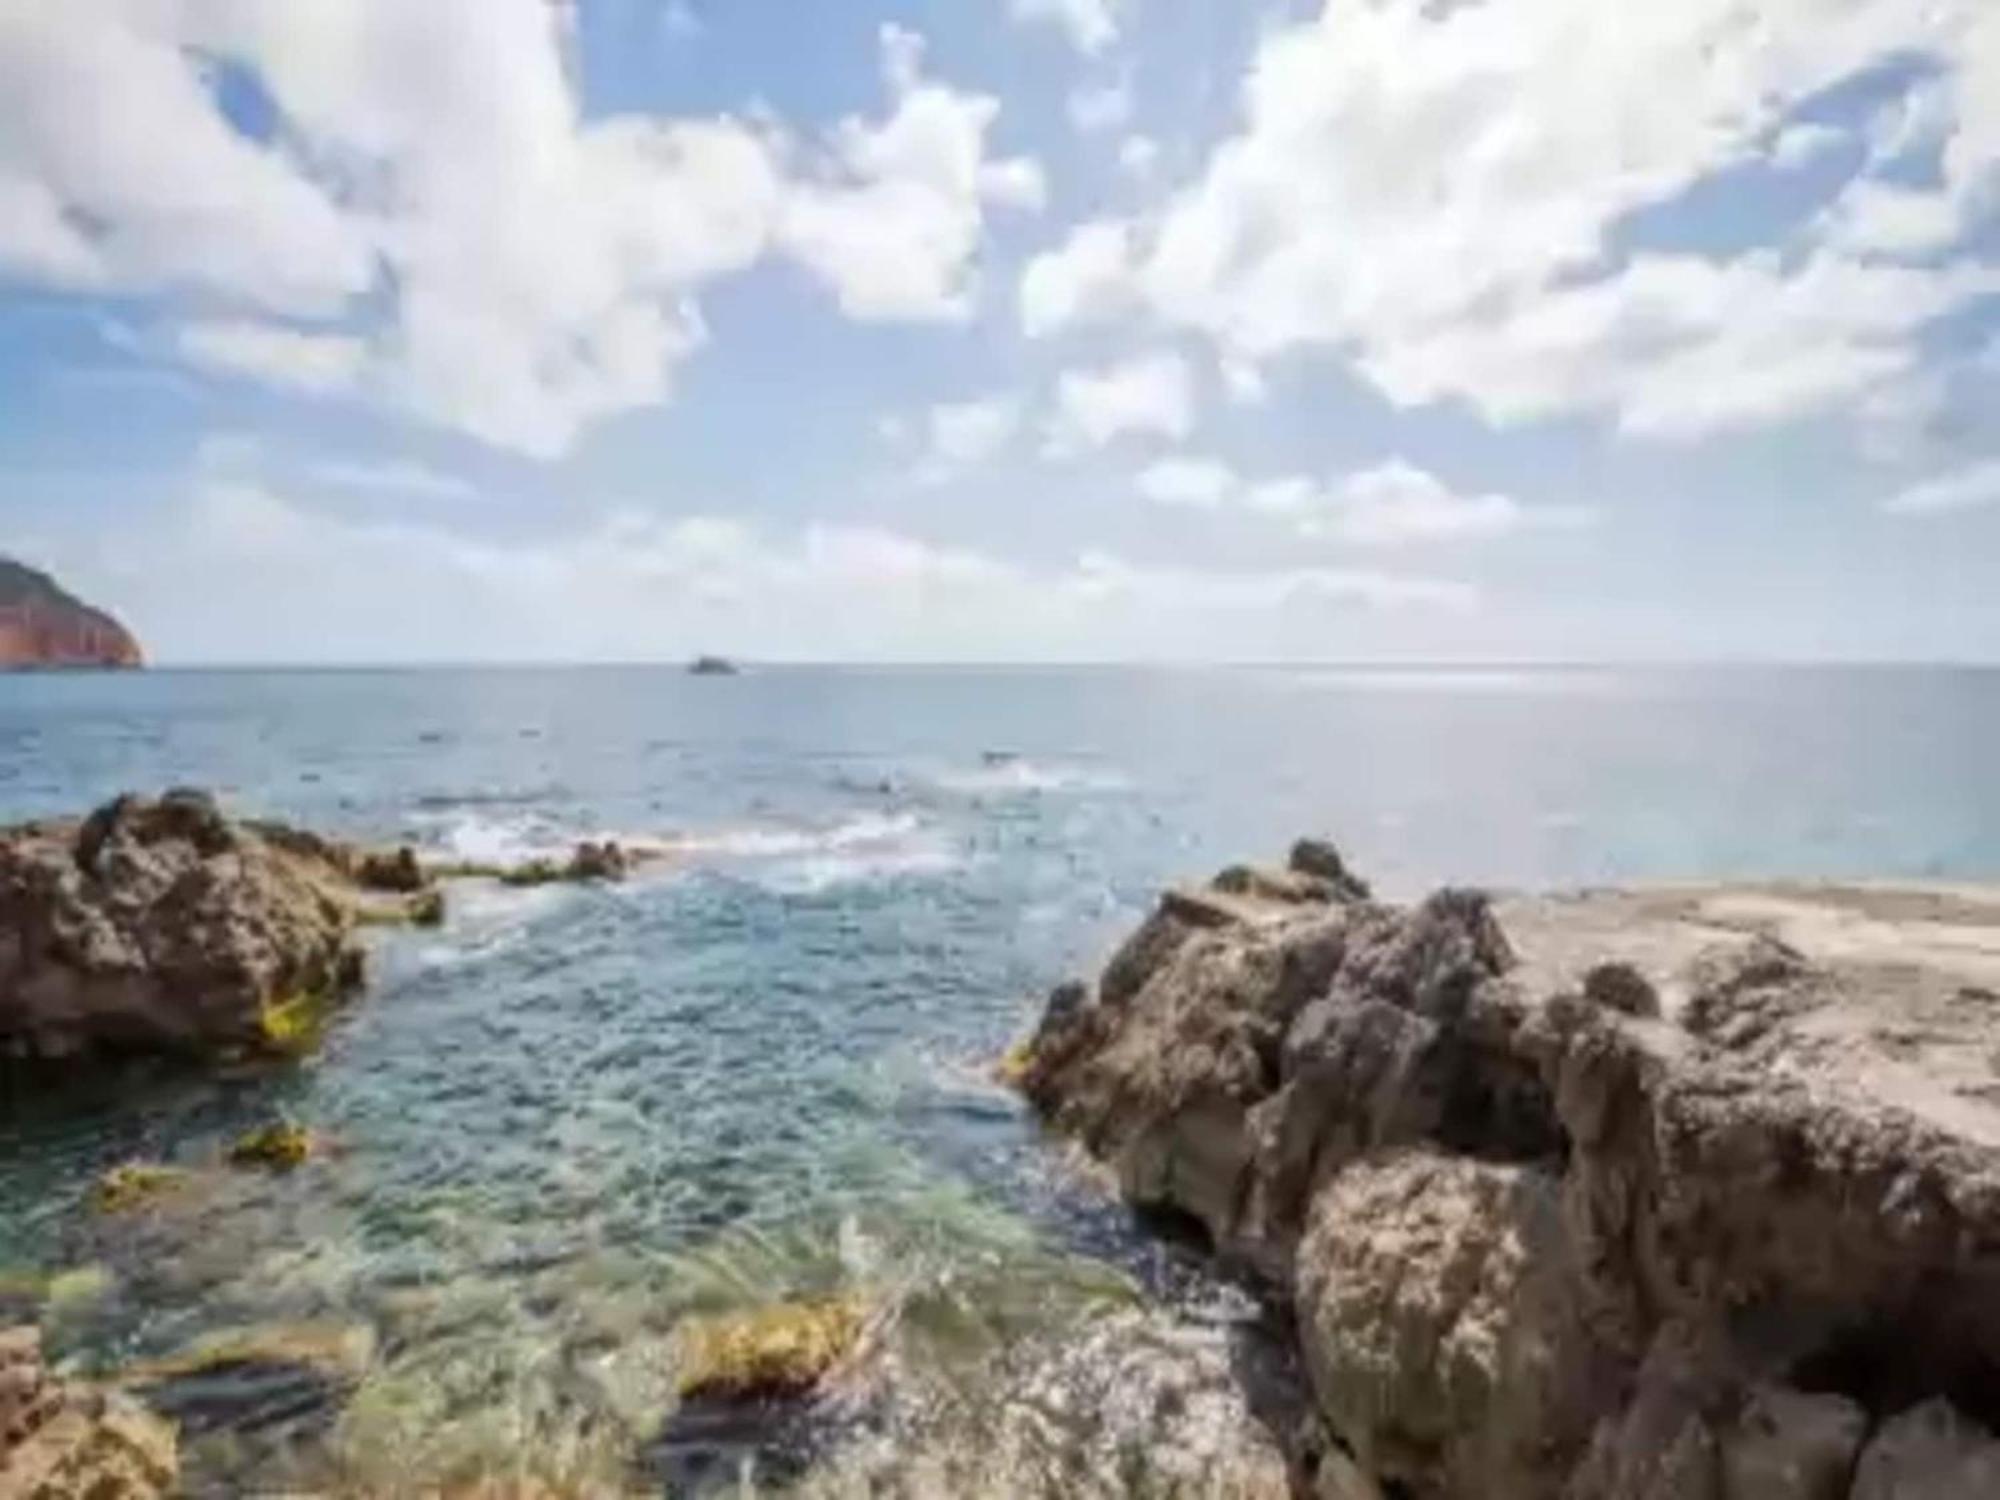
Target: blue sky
[351, 330]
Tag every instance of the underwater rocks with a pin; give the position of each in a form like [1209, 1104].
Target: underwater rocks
[164, 927]
[1619, 1196]
[64, 1441]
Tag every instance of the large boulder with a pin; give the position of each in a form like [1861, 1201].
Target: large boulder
[1677, 1194]
[162, 926]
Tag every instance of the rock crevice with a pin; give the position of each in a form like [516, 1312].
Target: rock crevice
[1689, 1193]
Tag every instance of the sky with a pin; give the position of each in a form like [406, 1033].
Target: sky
[348, 331]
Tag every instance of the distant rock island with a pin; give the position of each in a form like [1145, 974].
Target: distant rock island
[43, 625]
[712, 666]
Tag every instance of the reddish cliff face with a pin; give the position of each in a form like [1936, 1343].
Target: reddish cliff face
[43, 625]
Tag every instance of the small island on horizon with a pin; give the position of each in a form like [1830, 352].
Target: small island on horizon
[43, 625]
[713, 666]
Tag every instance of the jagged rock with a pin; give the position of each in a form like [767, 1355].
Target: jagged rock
[1319, 859]
[163, 926]
[62, 1441]
[1786, 1445]
[1929, 1453]
[1661, 1194]
[1431, 1297]
[398, 871]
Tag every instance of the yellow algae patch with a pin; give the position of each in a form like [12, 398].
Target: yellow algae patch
[1012, 1068]
[292, 1024]
[279, 1146]
[780, 1350]
[137, 1185]
[336, 1351]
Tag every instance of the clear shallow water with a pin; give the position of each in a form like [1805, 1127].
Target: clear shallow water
[552, 1113]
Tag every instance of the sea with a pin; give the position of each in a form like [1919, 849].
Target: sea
[762, 1067]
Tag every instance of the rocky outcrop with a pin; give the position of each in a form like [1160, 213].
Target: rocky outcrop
[43, 625]
[162, 926]
[1679, 1195]
[62, 1441]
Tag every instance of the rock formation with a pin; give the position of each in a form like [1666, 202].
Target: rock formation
[165, 927]
[61, 1441]
[43, 625]
[1676, 1195]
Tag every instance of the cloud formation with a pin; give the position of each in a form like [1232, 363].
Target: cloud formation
[1150, 395]
[625, 584]
[1391, 504]
[1442, 193]
[433, 196]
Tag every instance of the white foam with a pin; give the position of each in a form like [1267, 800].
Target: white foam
[823, 872]
[1020, 776]
[868, 830]
[481, 838]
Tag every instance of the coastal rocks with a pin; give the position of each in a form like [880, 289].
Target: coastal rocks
[1681, 1194]
[44, 625]
[1133, 1403]
[61, 1441]
[165, 927]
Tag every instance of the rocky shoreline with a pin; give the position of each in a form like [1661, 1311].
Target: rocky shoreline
[1675, 1194]
[165, 928]
[1627, 1195]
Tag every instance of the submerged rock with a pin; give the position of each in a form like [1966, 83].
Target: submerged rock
[280, 1146]
[64, 1441]
[137, 1185]
[768, 1353]
[1626, 1195]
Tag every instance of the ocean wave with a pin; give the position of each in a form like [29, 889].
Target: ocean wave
[483, 838]
[861, 832]
[823, 872]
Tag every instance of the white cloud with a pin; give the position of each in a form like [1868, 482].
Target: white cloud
[316, 363]
[1201, 483]
[1970, 488]
[395, 477]
[895, 237]
[1801, 144]
[1017, 182]
[1198, 482]
[1106, 577]
[1139, 154]
[118, 173]
[969, 431]
[284, 581]
[1085, 281]
[961, 435]
[1151, 395]
[515, 267]
[1091, 25]
[1396, 504]
[1680, 347]
[1098, 107]
[1392, 504]
[1434, 191]
[895, 229]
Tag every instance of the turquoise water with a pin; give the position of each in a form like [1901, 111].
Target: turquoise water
[758, 1068]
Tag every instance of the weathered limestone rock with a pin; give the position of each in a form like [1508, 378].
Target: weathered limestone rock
[162, 926]
[1638, 1195]
[1929, 1453]
[60, 1441]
